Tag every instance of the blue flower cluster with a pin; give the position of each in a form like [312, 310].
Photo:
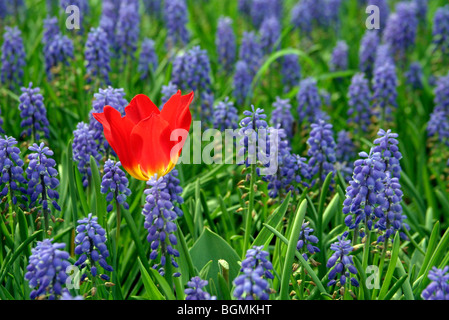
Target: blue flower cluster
[242, 82]
[270, 33]
[148, 60]
[345, 153]
[440, 30]
[438, 124]
[290, 71]
[307, 241]
[91, 246]
[225, 115]
[11, 168]
[438, 289]
[341, 262]
[175, 16]
[282, 115]
[367, 52]
[12, 58]
[84, 146]
[309, 101]
[33, 113]
[97, 56]
[384, 91]
[253, 122]
[195, 290]
[46, 270]
[127, 30]
[321, 150]
[160, 222]
[174, 190]
[251, 52]
[252, 284]
[226, 44]
[115, 185]
[359, 96]
[414, 75]
[339, 58]
[58, 51]
[42, 178]
[167, 91]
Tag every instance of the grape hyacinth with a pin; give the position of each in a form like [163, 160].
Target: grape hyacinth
[438, 124]
[384, 91]
[97, 56]
[226, 44]
[42, 180]
[148, 60]
[438, 289]
[387, 146]
[115, 185]
[400, 31]
[321, 150]
[153, 7]
[108, 20]
[307, 241]
[251, 52]
[167, 91]
[309, 101]
[253, 122]
[282, 115]
[175, 191]
[46, 270]
[57, 51]
[367, 52]
[440, 31]
[33, 113]
[309, 13]
[292, 169]
[11, 167]
[263, 9]
[195, 290]
[175, 15]
[51, 29]
[364, 193]
[84, 146]
[359, 97]
[414, 76]
[252, 284]
[242, 82]
[345, 153]
[270, 33]
[191, 70]
[127, 30]
[341, 262]
[339, 58]
[91, 247]
[392, 217]
[225, 115]
[290, 71]
[160, 223]
[12, 58]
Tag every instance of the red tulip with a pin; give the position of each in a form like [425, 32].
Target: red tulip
[142, 138]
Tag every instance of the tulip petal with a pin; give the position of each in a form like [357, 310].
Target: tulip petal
[152, 137]
[117, 131]
[140, 107]
[176, 111]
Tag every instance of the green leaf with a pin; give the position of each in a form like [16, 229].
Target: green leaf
[150, 287]
[168, 291]
[210, 246]
[391, 267]
[291, 249]
[331, 209]
[100, 199]
[265, 235]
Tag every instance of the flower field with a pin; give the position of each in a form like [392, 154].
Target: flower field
[224, 150]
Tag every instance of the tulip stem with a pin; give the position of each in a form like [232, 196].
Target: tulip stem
[250, 210]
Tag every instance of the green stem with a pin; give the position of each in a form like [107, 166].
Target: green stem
[381, 266]
[366, 249]
[250, 210]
